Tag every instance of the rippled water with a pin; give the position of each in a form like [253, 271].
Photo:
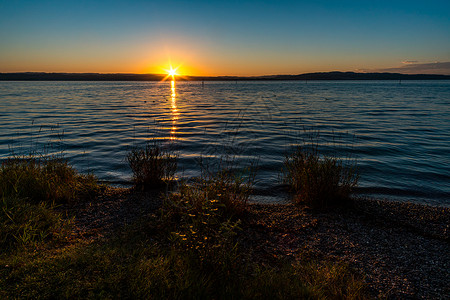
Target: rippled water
[402, 131]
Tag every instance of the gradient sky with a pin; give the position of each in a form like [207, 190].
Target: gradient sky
[225, 37]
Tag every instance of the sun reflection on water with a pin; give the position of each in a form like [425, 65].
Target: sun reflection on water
[174, 110]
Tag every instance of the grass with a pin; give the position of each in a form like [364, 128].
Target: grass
[189, 250]
[202, 219]
[202, 229]
[152, 165]
[226, 193]
[140, 262]
[30, 188]
[25, 224]
[317, 179]
[306, 280]
[44, 179]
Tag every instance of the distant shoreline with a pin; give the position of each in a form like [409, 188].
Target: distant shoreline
[38, 76]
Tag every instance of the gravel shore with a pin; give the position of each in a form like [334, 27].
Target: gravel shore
[402, 249]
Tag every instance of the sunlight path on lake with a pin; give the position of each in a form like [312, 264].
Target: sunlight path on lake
[175, 113]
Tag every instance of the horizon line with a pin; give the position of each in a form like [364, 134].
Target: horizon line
[221, 76]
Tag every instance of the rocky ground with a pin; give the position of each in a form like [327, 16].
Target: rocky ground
[402, 249]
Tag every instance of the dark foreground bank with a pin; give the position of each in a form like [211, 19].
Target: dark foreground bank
[400, 249]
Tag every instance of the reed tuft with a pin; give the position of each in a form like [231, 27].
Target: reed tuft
[152, 165]
[319, 180]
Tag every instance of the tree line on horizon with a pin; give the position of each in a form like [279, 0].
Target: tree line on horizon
[42, 76]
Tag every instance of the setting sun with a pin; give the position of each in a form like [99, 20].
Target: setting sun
[172, 72]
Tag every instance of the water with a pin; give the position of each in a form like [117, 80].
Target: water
[402, 131]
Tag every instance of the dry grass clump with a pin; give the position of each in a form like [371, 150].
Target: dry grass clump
[318, 180]
[152, 165]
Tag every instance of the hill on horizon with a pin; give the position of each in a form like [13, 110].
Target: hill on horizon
[335, 75]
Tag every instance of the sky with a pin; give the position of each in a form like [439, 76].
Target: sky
[243, 38]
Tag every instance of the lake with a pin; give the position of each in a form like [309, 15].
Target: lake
[398, 132]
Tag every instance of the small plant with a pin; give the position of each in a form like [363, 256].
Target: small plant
[317, 179]
[231, 190]
[152, 165]
[202, 218]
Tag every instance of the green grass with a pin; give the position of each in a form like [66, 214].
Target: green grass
[141, 262]
[306, 280]
[152, 165]
[44, 179]
[25, 224]
[188, 250]
[318, 180]
[30, 188]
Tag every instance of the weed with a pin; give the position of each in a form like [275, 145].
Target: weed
[203, 224]
[199, 226]
[227, 181]
[319, 180]
[152, 165]
[136, 264]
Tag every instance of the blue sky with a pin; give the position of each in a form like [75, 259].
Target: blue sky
[224, 37]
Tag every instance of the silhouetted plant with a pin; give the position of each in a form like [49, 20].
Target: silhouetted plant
[317, 179]
[152, 165]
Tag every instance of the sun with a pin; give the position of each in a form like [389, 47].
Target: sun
[172, 72]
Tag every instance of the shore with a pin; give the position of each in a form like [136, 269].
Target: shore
[400, 258]
[401, 249]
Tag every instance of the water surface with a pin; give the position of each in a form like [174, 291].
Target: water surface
[402, 131]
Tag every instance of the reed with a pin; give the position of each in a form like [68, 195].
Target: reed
[152, 165]
[317, 179]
